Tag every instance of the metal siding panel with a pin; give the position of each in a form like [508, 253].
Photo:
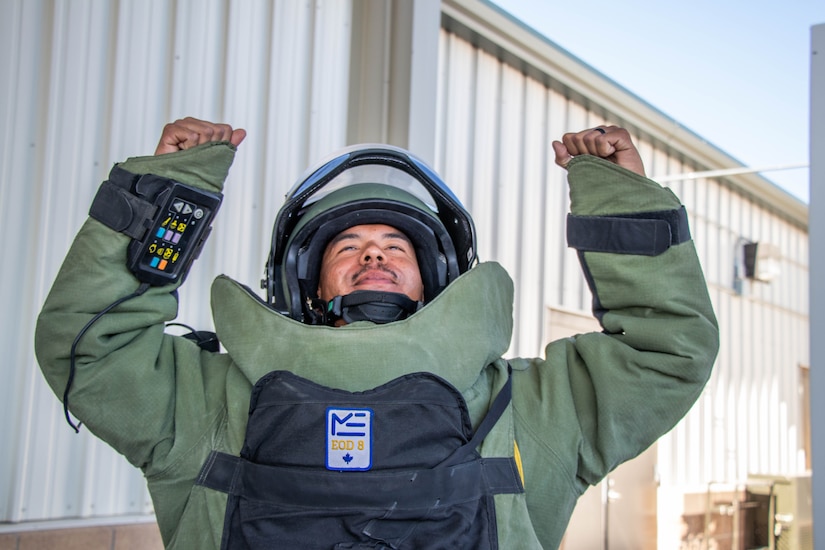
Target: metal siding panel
[536, 161]
[661, 163]
[574, 292]
[556, 205]
[722, 270]
[734, 426]
[21, 27]
[509, 185]
[237, 246]
[701, 204]
[94, 83]
[196, 70]
[330, 62]
[648, 153]
[714, 258]
[717, 390]
[140, 86]
[722, 385]
[65, 151]
[457, 120]
[481, 202]
[791, 267]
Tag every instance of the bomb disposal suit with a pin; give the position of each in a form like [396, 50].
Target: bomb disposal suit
[404, 428]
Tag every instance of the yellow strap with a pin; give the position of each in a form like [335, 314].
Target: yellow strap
[517, 457]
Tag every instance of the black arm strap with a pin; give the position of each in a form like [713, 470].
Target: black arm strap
[118, 206]
[646, 233]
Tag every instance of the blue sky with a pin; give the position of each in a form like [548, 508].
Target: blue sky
[737, 73]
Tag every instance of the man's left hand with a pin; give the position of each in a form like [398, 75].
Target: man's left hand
[608, 142]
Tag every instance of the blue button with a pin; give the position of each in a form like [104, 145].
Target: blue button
[155, 261]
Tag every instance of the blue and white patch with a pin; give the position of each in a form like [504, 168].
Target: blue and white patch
[349, 439]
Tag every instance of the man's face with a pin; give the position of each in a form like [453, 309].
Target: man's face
[370, 257]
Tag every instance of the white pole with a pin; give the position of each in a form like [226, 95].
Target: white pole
[725, 172]
[816, 231]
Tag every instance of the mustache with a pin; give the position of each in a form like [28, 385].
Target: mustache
[379, 267]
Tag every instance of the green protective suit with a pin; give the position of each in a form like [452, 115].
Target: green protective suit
[594, 400]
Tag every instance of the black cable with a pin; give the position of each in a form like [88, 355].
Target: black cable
[184, 325]
[140, 290]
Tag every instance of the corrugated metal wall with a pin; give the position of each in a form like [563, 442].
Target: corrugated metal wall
[86, 84]
[750, 418]
[496, 125]
[91, 83]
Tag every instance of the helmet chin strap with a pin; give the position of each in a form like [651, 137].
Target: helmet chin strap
[370, 305]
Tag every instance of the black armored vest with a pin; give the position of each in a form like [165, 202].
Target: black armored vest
[394, 467]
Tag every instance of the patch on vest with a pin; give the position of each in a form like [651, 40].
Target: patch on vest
[349, 439]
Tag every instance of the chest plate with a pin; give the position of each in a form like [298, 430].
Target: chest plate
[391, 467]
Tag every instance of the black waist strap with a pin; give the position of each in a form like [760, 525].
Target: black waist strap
[363, 490]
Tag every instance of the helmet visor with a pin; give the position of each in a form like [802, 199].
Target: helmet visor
[380, 164]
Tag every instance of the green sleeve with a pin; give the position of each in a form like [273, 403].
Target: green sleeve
[129, 376]
[599, 399]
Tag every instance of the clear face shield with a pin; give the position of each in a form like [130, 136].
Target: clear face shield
[354, 166]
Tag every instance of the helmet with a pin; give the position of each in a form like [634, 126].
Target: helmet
[365, 184]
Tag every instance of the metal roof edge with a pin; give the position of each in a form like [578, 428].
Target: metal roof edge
[515, 38]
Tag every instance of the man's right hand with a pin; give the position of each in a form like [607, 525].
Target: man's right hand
[189, 132]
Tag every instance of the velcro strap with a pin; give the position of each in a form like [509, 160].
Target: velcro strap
[646, 234]
[221, 472]
[117, 207]
[495, 411]
[418, 488]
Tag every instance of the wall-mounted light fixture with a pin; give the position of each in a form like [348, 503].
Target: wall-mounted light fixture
[762, 261]
[755, 261]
